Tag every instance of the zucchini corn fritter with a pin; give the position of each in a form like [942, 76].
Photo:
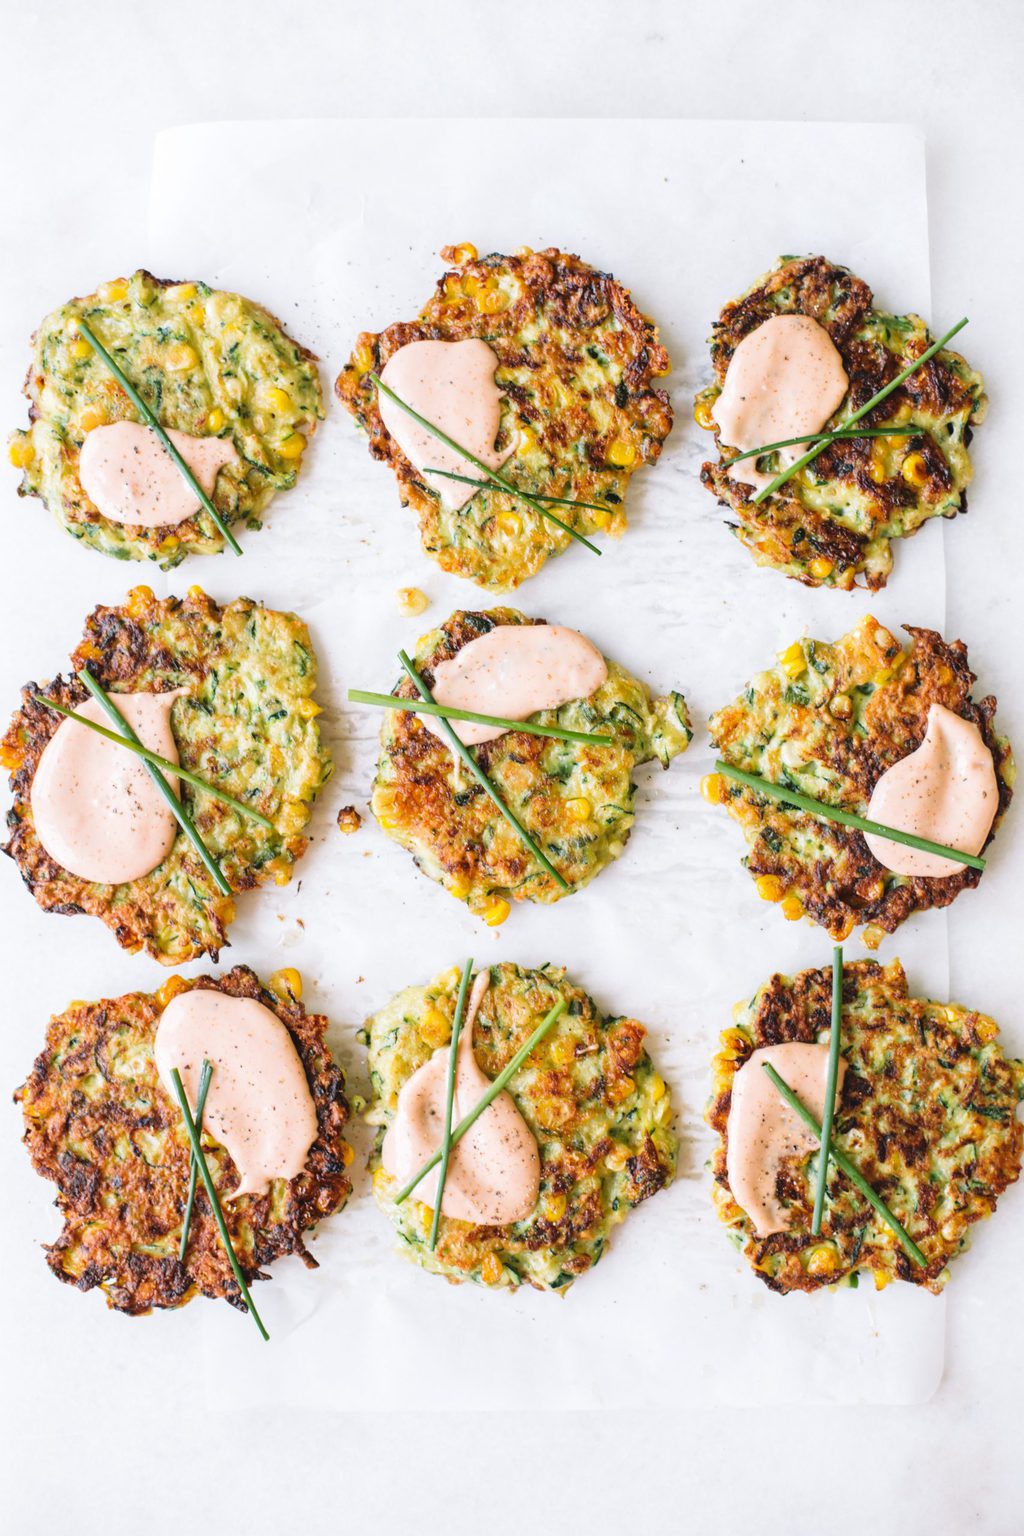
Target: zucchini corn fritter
[831, 523]
[99, 1123]
[829, 720]
[247, 725]
[208, 363]
[927, 1113]
[576, 365]
[588, 1092]
[575, 800]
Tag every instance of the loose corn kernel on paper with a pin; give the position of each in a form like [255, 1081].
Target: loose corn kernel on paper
[686, 214]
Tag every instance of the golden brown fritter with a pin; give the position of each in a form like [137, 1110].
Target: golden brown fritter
[831, 523]
[100, 1125]
[928, 1115]
[575, 800]
[247, 725]
[209, 363]
[589, 1092]
[829, 720]
[576, 365]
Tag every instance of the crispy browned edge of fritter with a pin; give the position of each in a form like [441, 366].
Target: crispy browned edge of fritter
[567, 287]
[136, 1282]
[839, 904]
[933, 388]
[800, 1008]
[116, 650]
[160, 531]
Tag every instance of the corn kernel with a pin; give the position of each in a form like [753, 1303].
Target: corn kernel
[872, 936]
[10, 757]
[841, 706]
[618, 1157]
[286, 983]
[602, 519]
[823, 1261]
[523, 250]
[168, 545]
[226, 910]
[792, 660]
[181, 357]
[876, 470]
[842, 930]
[20, 450]
[496, 911]
[492, 1269]
[171, 988]
[139, 601]
[181, 292]
[293, 447]
[278, 398]
[578, 808]
[472, 285]
[914, 470]
[555, 1207]
[308, 709]
[563, 1051]
[365, 357]
[81, 349]
[712, 788]
[985, 1030]
[459, 887]
[509, 522]
[702, 414]
[494, 302]
[621, 453]
[280, 870]
[92, 416]
[109, 293]
[770, 887]
[820, 568]
[882, 1278]
[382, 1180]
[452, 289]
[196, 594]
[348, 1155]
[621, 1089]
[434, 1028]
[792, 908]
[464, 252]
[349, 820]
[412, 602]
[657, 1088]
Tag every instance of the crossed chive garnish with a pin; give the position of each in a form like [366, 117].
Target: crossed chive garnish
[199, 1163]
[845, 818]
[157, 767]
[494, 477]
[498, 1085]
[482, 779]
[150, 419]
[843, 430]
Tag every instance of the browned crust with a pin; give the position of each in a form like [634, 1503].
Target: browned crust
[845, 889]
[893, 1138]
[114, 1207]
[568, 294]
[840, 302]
[123, 654]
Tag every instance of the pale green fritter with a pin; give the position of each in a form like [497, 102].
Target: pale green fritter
[209, 363]
[247, 724]
[833, 522]
[589, 1092]
[576, 800]
[928, 1114]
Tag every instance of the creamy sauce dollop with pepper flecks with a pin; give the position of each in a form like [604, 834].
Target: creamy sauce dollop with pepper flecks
[259, 1106]
[946, 791]
[450, 383]
[95, 807]
[129, 476]
[513, 671]
[763, 1130]
[494, 1171]
[785, 379]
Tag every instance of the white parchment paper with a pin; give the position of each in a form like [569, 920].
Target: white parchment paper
[335, 226]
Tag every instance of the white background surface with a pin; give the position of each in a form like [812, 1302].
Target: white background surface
[75, 179]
